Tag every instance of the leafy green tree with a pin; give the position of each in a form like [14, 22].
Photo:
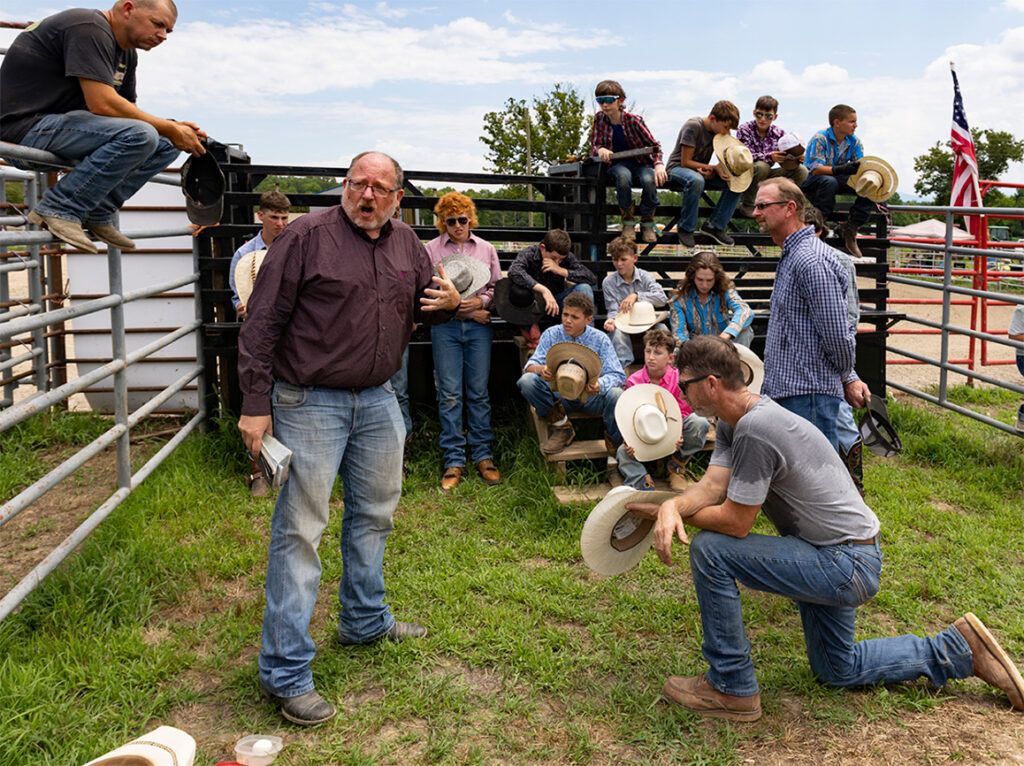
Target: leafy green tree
[525, 139]
[995, 149]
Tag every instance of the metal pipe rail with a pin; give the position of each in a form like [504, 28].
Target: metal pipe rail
[52, 161]
[29, 583]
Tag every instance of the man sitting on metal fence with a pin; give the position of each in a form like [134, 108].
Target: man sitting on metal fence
[67, 86]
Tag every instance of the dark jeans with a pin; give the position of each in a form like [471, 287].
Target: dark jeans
[821, 192]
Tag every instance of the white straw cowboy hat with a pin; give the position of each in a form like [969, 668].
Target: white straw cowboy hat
[640, 318]
[737, 159]
[165, 746]
[753, 373]
[467, 274]
[650, 421]
[611, 548]
[791, 144]
[573, 367]
[875, 179]
[246, 269]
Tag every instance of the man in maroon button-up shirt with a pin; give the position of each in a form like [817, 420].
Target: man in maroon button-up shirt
[330, 315]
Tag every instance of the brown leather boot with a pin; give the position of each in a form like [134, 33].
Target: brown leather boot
[991, 663]
[489, 472]
[696, 694]
[676, 470]
[559, 437]
[849, 234]
[452, 477]
[628, 224]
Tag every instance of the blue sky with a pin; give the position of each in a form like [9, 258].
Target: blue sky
[312, 83]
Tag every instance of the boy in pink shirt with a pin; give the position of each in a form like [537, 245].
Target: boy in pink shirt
[659, 349]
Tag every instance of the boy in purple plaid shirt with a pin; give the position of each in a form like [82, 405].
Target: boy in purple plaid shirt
[761, 136]
[616, 130]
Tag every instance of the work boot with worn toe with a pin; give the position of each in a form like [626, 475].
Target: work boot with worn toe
[107, 233]
[648, 231]
[307, 709]
[991, 663]
[559, 437]
[66, 231]
[397, 633]
[849, 235]
[696, 694]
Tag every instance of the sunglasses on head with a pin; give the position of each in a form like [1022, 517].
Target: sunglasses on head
[764, 115]
[461, 221]
[606, 99]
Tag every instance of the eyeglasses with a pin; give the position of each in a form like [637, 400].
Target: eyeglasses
[461, 221]
[764, 115]
[762, 205]
[606, 99]
[684, 383]
[380, 192]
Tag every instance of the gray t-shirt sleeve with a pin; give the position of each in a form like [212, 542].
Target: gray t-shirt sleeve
[88, 53]
[1017, 321]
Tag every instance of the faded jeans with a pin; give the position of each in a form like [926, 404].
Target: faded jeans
[118, 156]
[692, 184]
[820, 409]
[538, 393]
[359, 435]
[629, 173]
[695, 432]
[827, 583]
[462, 362]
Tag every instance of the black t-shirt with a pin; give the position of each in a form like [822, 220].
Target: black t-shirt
[39, 74]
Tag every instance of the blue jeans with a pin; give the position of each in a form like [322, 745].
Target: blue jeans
[827, 583]
[538, 393]
[118, 156]
[846, 427]
[692, 184]
[821, 409]
[629, 173]
[582, 288]
[462, 360]
[330, 431]
[695, 432]
[821, 192]
[622, 342]
[400, 382]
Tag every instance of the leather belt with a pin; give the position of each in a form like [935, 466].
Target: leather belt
[869, 541]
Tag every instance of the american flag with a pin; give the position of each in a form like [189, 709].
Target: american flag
[965, 191]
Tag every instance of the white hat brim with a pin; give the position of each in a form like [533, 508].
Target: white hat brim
[737, 182]
[753, 361]
[244, 280]
[626, 406]
[165, 746]
[595, 539]
[622, 322]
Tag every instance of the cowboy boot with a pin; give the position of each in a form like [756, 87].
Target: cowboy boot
[648, 230]
[676, 470]
[628, 223]
[849, 234]
[559, 436]
[853, 460]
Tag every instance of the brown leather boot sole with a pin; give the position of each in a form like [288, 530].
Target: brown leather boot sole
[560, 437]
[991, 663]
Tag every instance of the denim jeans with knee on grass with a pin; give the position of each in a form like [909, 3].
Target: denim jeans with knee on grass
[827, 583]
[359, 435]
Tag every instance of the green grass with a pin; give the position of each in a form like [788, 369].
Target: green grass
[530, 658]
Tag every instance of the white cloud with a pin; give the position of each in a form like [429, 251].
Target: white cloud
[1014, 5]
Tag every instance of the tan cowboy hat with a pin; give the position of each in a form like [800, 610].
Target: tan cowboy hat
[614, 540]
[165, 746]
[754, 368]
[246, 269]
[737, 159]
[467, 274]
[875, 179]
[640, 318]
[573, 367]
[650, 420]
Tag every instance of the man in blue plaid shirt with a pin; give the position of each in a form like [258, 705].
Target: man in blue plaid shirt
[810, 350]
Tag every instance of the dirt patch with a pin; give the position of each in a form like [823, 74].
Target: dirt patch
[968, 730]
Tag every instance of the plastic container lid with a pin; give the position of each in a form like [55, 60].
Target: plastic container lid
[258, 749]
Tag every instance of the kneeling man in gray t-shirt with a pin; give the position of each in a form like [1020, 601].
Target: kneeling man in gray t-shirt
[826, 556]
